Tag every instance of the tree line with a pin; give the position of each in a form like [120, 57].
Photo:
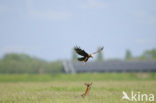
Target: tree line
[146, 55]
[23, 63]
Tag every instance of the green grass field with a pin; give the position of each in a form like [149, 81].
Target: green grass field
[62, 88]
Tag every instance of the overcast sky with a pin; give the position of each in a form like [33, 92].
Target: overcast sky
[49, 29]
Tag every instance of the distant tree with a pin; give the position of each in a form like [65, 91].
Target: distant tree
[22, 63]
[128, 55]
[99, 56]
[148, 55]
[74, 55]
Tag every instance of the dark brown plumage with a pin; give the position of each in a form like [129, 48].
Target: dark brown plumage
[84, 54]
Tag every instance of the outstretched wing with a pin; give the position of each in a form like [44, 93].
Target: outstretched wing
[99, 50]
[80, 51]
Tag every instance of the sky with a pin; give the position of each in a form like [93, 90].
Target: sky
[49, 29]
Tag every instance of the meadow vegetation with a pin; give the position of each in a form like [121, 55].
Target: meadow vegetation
[67, 88]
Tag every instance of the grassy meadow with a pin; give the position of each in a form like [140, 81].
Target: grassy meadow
[67, 88]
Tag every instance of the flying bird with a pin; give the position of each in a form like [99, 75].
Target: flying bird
[84, 54]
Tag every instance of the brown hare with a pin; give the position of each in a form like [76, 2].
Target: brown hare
[87, 89]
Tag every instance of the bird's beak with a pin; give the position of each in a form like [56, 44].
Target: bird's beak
[91, 56]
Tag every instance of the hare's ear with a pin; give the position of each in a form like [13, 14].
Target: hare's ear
[85, 84]
[91, 83]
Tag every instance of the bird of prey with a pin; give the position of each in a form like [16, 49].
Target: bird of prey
[84, 54]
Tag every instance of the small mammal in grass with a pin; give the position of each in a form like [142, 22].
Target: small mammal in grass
[87, 89]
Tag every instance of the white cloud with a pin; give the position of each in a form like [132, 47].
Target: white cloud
[94, 4]
[141, 14]
[144, 41]
[145, 17]
[48, 15]
[2, 9]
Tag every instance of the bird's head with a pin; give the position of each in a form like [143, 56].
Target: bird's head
[91, 55]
